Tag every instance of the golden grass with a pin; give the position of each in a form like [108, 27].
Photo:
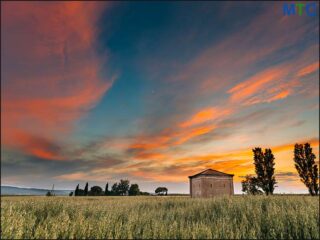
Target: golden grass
[276, 217]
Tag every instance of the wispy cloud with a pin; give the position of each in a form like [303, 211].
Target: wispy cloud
[37, 146]
[51, 71]
[309, 69]
[266, 86]
[205, 115]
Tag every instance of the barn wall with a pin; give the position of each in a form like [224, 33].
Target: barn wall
[195, 187]
[210, 186]
[216, 186]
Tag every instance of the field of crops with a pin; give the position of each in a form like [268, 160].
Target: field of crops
[277, 217]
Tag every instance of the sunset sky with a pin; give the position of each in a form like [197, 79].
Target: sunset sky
[154, 92]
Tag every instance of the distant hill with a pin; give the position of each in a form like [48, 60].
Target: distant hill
[9, 190]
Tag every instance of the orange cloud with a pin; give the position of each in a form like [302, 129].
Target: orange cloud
[150, 147]
[192, 133]
[255, 89]
[236, 167]
[309, 69]
[314, 142]
[205, 115]
[50, 70]
[152, 142]
[36, 146]
[150, 155]
[280, 95]
[200, 117]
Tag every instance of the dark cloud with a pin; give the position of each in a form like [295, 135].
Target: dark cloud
[286, 174]
[17, 164]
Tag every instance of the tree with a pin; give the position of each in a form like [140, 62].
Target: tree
[81, 192]
[134, 190]
[115, 189]
[123, 187]
[269, 166]
[158, 190]
[70, 194]
[120, 188]
[106, 190]
[86, 189]
[76, 192]
[161, 191]
[307, 168]
[96, 191]
[264, 167]
[251, 185]
[49, 194]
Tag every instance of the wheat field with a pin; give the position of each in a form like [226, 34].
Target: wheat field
[237, 217]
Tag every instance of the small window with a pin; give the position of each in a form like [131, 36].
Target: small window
[224, 185]
[211, 185]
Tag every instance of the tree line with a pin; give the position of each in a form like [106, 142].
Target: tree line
[122, 188]
[264, 181]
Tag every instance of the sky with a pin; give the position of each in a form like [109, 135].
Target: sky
[154, 92]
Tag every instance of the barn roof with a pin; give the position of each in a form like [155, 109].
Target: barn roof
[211, 172]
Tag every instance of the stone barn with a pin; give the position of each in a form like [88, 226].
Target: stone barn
[211, 183]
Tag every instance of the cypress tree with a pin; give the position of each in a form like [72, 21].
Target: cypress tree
[86, 190]
[307, 168]
[76, 192]
[264, 167]
[269, 166]
[106, 191]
